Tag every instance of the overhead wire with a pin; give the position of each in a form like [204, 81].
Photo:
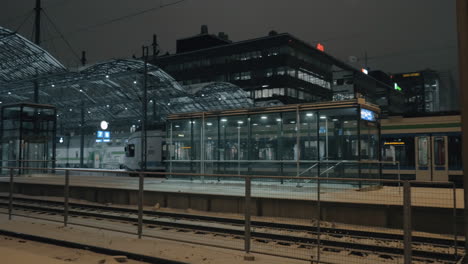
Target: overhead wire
[24, 21]
[87, 28]
[62, 36]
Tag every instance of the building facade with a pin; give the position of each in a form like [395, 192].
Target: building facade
[421, 90]
[276, 69]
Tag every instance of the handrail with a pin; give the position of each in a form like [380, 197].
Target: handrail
[311, 167]
[291, 161]
[334, 166]
[29, 160]
[229, 175]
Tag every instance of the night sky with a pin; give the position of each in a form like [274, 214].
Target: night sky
[398, 35]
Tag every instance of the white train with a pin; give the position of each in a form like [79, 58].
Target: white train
[155, 151]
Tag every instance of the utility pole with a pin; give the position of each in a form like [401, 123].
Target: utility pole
[83, 62]
[144, 110]
[462, 22]
[37, 40]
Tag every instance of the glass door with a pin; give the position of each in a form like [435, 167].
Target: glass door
[423, 158]
[439, 158]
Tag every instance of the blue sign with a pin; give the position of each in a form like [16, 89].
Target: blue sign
[106, 134]
[100, 134]
[98, 140]
[367, 115]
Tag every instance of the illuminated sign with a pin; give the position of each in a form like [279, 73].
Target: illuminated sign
[398, 88]
[320, 47]
[416, 74]
[394, 143]
[103, 136]
[367, 115]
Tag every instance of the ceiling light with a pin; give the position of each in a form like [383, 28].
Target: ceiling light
[309, 114]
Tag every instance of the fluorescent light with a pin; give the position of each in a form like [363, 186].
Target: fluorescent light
[309, 114]
[278, 119]
[264, 117]
[209, 124]
[224, 120]
[323, 117]
[240, 122]
[265, 86]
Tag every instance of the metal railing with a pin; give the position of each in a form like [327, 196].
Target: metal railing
[318, 195]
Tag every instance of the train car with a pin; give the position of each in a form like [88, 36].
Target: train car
[155, 153]
[104, 155]
[427, 147]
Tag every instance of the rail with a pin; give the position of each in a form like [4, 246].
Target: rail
[248, 234]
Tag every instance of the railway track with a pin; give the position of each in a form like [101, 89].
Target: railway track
[331, 239]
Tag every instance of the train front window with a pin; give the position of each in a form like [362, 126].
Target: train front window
[130, 150]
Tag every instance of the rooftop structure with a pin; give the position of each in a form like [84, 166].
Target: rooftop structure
[110, 90]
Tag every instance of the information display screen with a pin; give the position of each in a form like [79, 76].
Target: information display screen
[368, 115]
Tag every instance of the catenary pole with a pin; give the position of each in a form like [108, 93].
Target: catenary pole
[462, 22]
[37, 41]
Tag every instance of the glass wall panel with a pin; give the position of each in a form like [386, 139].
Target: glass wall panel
[233, 147]
[211, 148]
[338, 141]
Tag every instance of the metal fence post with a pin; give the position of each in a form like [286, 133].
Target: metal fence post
[407, 222]
[140, 205]
[319, 217]
[66, 197]
[10, 197]
[455, 238]
[247, 219]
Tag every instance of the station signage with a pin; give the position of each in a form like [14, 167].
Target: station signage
[102, 136]
[368, 115]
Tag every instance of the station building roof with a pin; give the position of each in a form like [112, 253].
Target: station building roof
[110, 90]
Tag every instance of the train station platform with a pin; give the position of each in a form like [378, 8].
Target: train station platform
[379, 206]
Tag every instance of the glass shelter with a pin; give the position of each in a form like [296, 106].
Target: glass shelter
[28, 136]
[331, 139]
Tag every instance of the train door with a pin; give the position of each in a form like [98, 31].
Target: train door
[423, 158]
[431, 158]
[439, 158]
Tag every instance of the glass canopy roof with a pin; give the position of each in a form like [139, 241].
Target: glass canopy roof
[110, 90]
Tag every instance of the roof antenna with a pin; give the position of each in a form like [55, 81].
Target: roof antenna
[83, 58]
[155, 46]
